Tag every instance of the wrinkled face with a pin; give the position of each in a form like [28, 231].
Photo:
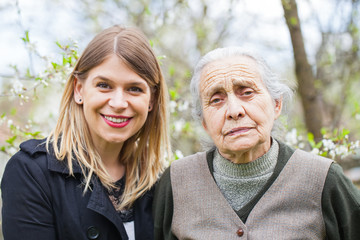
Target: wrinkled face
[238, 111]
[115, 100]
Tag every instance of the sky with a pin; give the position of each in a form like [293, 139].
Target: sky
[50, 21]
[55, 20]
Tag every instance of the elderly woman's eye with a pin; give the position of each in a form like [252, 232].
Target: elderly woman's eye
[247, 92]
[215, 100]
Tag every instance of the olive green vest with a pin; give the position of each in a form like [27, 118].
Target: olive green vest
[290, 209]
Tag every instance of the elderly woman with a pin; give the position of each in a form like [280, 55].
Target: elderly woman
[250, 185]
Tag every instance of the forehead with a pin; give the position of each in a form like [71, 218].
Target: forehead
[240, 68]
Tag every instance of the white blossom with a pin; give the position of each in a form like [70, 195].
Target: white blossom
[12, 150]
[178, 125]
[3, 119]
[184, 106]
[17, 87]
[315, 151]
[179, 154]
[341, 150]
[328, 144]
[291, 137]
[10, 123]
[43, 81]
[172, 106]
[332, 153]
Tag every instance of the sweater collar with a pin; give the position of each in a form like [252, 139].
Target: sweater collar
[258, 167]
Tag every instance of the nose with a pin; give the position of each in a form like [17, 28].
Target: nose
[235, 108]
[118, 100]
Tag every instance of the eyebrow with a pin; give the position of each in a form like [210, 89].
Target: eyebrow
[101, 78]
[214, 89]
[238, 81]
[130, 81]
[243, 82]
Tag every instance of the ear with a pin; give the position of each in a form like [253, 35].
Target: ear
[78, 87]
[278, 107]
[151, 104]
[203, 123]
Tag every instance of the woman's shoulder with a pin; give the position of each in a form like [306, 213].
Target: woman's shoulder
[34, 146]
[30, 163]
[34, 156]
[34, 153]
[33, 150]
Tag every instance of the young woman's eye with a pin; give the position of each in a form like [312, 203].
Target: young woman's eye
[102, 85]
[136, 89]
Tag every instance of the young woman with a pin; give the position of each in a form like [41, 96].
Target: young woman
[93, 177]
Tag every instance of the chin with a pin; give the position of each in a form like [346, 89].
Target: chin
[116, 140]
[246, 144]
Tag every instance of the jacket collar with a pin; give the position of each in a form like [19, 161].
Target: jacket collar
[98, 201]
[38, 146]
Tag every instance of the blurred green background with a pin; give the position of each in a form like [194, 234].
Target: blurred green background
[41, 39]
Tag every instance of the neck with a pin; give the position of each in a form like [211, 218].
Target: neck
[247, 155]
[110, 158]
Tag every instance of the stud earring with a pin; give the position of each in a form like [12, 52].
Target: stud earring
[80, 99]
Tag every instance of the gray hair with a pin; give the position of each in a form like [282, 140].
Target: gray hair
[274, 85]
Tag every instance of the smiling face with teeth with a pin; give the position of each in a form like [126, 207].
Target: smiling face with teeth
[238, 111]
[116, 102]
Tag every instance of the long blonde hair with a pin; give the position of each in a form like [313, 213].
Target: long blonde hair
[144, 153]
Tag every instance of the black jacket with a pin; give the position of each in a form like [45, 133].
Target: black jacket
[41, 201]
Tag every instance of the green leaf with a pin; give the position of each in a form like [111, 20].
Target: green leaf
[11, 140]
[151, 42]
[55, 65]
[27, 36]
[58, 44]
[28, 74]
[147, 10]
[343, 133]
[161, 58]
[173, 94]
[187, 127]
[318, 145]
[65, 60]
[324, 154]
[293, 21]
[34, 134]
[26, 39]
[310, 138]
[13, 111]
[187, 74]
[171, 71]
[323, 131]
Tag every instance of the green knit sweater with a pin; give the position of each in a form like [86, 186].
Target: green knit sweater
[239, 183]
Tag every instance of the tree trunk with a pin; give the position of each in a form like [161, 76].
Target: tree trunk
[310, 98]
